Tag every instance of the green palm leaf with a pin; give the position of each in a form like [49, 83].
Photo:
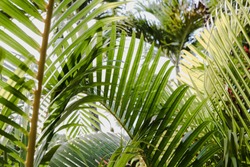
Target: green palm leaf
[226, 77]
[18, 66]
[136, 103]
[89, 150]
[134, 99]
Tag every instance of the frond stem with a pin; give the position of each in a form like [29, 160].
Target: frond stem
[118, 120]
[37, 93]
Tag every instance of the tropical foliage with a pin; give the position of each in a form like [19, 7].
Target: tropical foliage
[54, 90]
[220, 70]
[169, 24]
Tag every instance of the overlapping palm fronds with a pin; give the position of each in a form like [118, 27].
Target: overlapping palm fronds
[89, 150]
[71, 49]
[85, 65]
[169, 24]
[135, 99]
[224, 77]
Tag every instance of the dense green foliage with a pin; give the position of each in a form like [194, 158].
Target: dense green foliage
[55, 91]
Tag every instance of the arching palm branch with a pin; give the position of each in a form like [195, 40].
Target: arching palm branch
[151, 120]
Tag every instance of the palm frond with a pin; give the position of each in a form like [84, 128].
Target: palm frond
[17, 79]
[172, 26]
[88, 150]
[70, 30]
[225, 74]
[135, 101]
